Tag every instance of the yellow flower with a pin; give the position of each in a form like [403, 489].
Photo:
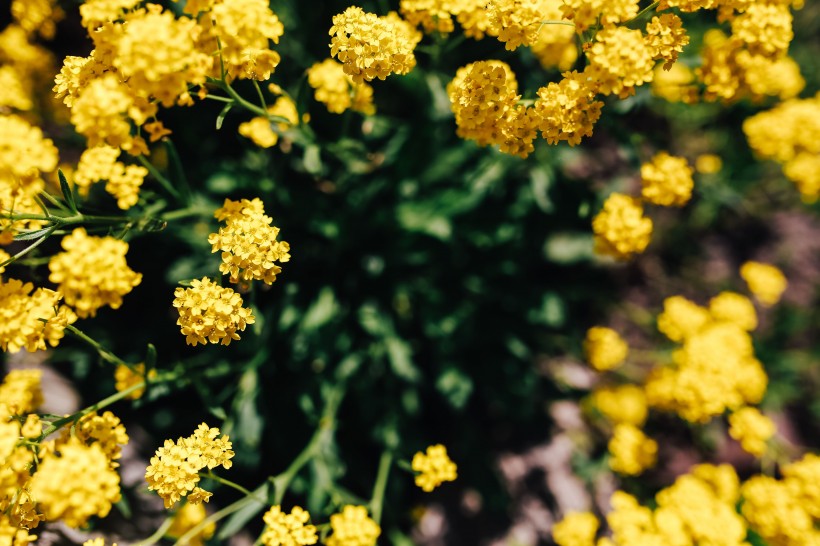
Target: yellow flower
[631, 451]
[282, 529]
[567, 110]
[174, 469]
[802, 478]
[576, 529]
[518, 22]
[352, 527]
[245, 29]
[604, 348]
[21, 392]
[619, 61]
[735, 308]
[433, 468]
[587, 13]
[675, 84]
[337, 90]
[681, 318]
[126, 377]
[752, 429]
[22, 314]
[432, 15]
[621, 229]
[765, 281]
[622, 404]
[764, 28]
[666, 38]
[708, 163]
[76, 484]
[106, 431]
[186, 518]
[248, 242]
[210, 313]
[776, 513]
[667, 180]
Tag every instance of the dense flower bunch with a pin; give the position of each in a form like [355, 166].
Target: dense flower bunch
[248, 242]
[186, 518]
[631, 451]
[336, 90]
[765, 281]
[261, 130]
[210, 313]
[283, 529]
[174, 469]
[567, 110]
[370, 46]
[123, 181]
[31, 320]
[431, 15]
[604, 348]
[434, 467]
[667, 181]
[621, 229]
[790, 135]
[352, 527]
[91, 272]
[106, 431]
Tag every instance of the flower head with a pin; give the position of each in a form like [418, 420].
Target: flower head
[210, 313]
[765, 281]
[433, 467]
[352, 527]
[604, 348]
[283, 529]
[621, 229]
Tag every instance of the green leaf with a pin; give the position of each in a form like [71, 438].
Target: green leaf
[401, 359]
[237, 521]
[220, 119]
[312, 159]
[33, 234]
[455, 386]
[68, 194]
[151, 357]
[419, 217]
[321, 311]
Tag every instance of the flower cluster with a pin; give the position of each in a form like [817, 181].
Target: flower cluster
[186, 518]
[631, 451]
[248, 242]
[352, 527]
[667, 180]
[622, 404]
[31, 320]
[337, 91]
[261, 130]
[604, 348]
[752, 429]
[432, 15]
[282, 529]
[765, 281]
[790, 135]
[434, 467]
[123, 182]
[210, 313]
[104, 430]
[174, 469]
[91, 272]
[370, 46]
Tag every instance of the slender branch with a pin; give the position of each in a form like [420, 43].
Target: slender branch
[104, 353]
[211, 476]
[158, 534]
[643, 12]
[31, 247]
[164, 182]
[260, 95]
[216, 516]
[377, 500]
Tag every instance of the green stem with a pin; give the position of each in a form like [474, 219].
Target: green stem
[211, 476]
[186, 213]
[260, 95]
[216, 516]
[164, 182]
[178, 170]
[31, 247]
[158, 534]
[644, 11]
[104, 353]
[377, 500]
[218, 98]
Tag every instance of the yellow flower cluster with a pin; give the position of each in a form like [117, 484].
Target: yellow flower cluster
[666, 38]
[369, 46]
[604, 348]
[631, 451]
[567, 110]
[715, 368]
[576, 529]
[21, 392]
[123, 182]
[260, 129]
[765, 281]
[104, 430]
[282, 529]
[433, 467]
[92, 272]
[785, 512]
[554, 46]
[752, 429]
[790, 135]
[622, 404]
[352, 527]
[336, 90]
[31, 320]
[620, 60]
[248, 242]
[587, 13]
[173, 472]
[667, 180]
[186, 518]
[432, 15]
[40, 16]
[126, 378]
[621, 229]
[75, 482]
[210, 313]
[518, 22]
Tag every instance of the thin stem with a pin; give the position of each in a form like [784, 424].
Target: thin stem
[211, 476]
[377, 500]
[220, 99]
[186, 213]
[31, 247]
[158, 534]
[178, 170]
[643, 12]
[104, 353]
[241, 101]
[216, 516]
[261, 96]
[164, 182]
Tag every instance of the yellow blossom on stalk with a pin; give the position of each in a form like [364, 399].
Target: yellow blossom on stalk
[518, 22]
[688, 5]
[432, 15]
[681, 318]
[33, 427]
[666, 38]
[248, 242]
[352, 527]
[126, 378]
[576, 529]
[336, 90]
[764, 28]
[722, 479]
[433, 467]
[92, 272]
[802, 478]
[173, 472]
[735, 308]
[555, 47]
[13, 92]
[75, 483]
[372, 47]
[752, 429]
[620, 60]
[38, 16]
[186, 518]
[210, 313]
[283, 529]
[631, 450]
[106, 431]
[764, 76]
[667, 180]
[245, 29]
[96, 12]
[95, 164]
[622, 404]
[22, 316]
[156, 54]
[100, 114]
[675, 84]
[24, 151]
[708, 163]
[75, 75]
[21, 392]
[260, 129]
[776, 513]
[604, 348]
[765, 281]
[473, 17]
[621, 230]
[587, 13]
[567, 110]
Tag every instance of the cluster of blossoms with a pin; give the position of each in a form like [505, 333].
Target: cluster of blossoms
[210, 313]
[288, 529]
[352, 527]
[790, 135]
[701, 508]
[99, 164]
[434, 467]
[621, 229]
[260, 129]
[174, 469]
[74, 477]
[337, 90]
